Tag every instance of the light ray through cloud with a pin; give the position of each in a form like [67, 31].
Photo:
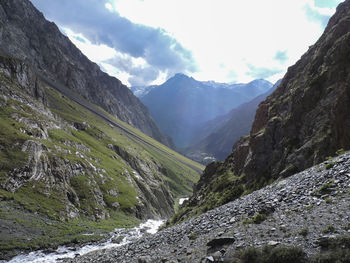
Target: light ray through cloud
[145, 42]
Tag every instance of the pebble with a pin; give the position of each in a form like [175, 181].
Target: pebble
[300, 209]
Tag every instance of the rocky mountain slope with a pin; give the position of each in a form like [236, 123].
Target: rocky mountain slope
[304, 218]
[24, 33]
[68, 174]
[222, 132]
[181, 104]
[302, 122]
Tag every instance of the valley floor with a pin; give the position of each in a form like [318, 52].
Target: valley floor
[304, 210]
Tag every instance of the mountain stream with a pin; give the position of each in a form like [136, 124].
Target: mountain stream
[125, 235]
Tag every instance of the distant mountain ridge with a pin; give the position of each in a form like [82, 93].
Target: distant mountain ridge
[217, 137]
[303, 122]
[26, 34]
[181, 104]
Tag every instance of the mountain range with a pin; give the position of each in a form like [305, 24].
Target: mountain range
[303, 122]
[182, 104]
[79, 159]
[73, 161]
[216, 137]
[41, 44]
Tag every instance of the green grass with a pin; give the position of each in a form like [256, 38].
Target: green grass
[40, 206]
[272, 255]
[179, 176]
[11, 139]
[334, 250]
[330, 165]
[161, 146]
[41, 232]
[32, 198]
[304, 232]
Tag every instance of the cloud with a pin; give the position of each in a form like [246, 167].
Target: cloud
[262, 73]
[314, 15]
[80, 39]
[231, 74]
[281, 56]
[139, 74]
[327, 3]
[101, 26]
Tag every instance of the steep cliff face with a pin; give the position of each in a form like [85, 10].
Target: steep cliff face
[24, 33]
[304, 121]
[63, 167]
[52, 154]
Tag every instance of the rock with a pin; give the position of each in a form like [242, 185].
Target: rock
[208, 259]
[230, 255]
[293, 129]
[144, 259]
[41, 44]
[288, 220]
[325, 241]
[272, 243]
[217, 256]
[217, 243]
[80, 126]
[118, 239]
[232, 220]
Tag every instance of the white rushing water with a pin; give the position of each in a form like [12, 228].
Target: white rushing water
[124, 235]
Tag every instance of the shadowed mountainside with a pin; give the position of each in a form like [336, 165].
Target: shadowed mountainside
[26, 34]
[221, 133]
[305, 120]
[182, 104]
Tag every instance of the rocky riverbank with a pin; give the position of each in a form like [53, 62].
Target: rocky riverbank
[302, 210]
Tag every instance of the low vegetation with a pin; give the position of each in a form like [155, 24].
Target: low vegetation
[334, 250]
[38, 208]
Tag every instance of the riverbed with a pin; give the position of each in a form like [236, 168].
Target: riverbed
[117, 238]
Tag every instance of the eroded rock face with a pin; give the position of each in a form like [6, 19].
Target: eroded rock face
[63, 170]
[24, 33]
[304, 121]
[306, 118]
[147, 179]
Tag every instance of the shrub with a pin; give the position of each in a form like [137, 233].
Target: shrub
[328, 200]
[259, 218]
[192, 236]
[328, 229]
[340, 152]
[336, 250]
[273, 255]
[231, 194]
[287, 255]
[325, 188]
[304, 232]
[330, 165]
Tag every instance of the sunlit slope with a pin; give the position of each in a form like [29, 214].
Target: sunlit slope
[69, 168]
[184, 172]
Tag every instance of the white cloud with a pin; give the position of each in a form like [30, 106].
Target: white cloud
[96, 53]
[227, 39]
[232, 33]
[117, 64]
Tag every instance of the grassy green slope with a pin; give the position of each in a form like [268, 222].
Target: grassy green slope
[181, 174]
[31, 217]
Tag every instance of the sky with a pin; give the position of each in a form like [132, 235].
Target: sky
[145, 42]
